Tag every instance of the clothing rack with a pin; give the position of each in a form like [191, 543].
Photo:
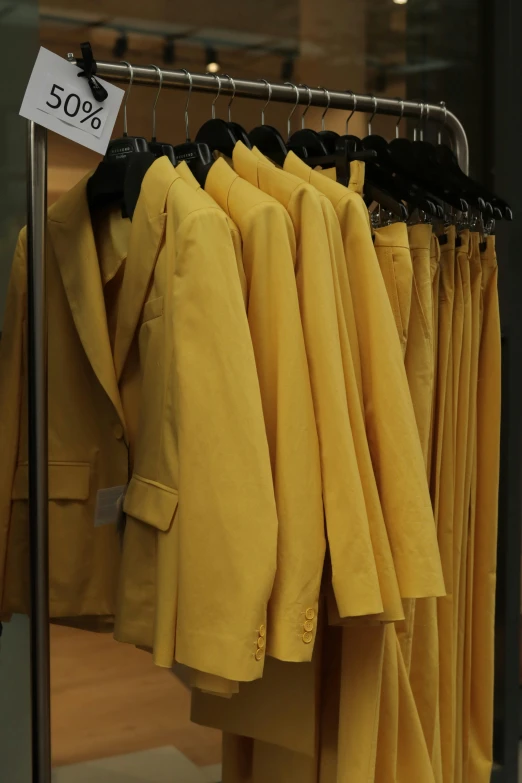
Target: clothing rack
[37, 324]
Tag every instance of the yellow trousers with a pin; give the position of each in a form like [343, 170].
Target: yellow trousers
[486, 520]
[442, 486]
[471, 489]
[462, 319]
[408, 278]
[422, 641]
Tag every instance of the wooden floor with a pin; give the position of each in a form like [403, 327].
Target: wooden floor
[108, 699]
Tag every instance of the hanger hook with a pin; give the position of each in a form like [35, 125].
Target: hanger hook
[416, 132]
[216, 76]
[268, 101]
[401, 101]
[187, 132]
[127, 93]
[289, 120]
[374, 99]
[160, 76]
[354, 96]
[231, 101]
[445, 109]
[303, 115]
[325, 112]
[426, 120]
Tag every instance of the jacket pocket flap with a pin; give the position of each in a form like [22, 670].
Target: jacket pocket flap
[152, 309]
[151, 503]
[67, 481]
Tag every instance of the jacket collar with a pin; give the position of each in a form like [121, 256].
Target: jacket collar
[246, 163]
[148, 228]
[72, 240]
[220, 180]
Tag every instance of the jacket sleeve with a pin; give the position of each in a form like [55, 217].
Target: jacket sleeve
[202, 469]
[226, 515]
[11, 392]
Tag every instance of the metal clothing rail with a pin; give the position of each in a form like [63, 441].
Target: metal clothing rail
[37, 330]
[286, 93]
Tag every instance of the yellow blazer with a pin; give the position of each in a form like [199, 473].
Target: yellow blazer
[201, 485]
[390, 420]
[269, 253]
[355, 389]
[88, 428]
[354, 573]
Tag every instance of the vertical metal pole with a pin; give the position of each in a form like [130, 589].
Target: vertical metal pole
[38, 490]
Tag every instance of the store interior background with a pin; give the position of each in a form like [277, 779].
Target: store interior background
[117, 718]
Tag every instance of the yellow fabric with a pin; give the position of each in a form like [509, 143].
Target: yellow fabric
[420, 642]
[355, 579]
[279, 683]
[435, 285]
[206, 682]
[184, 443]
[443, 494]
[486, 519]
[390, 421]
[87, 451]
[185, 173]
[361, 758]
[269, 256]
[471, 490]
[350, 346]
[393, 254]
[461, 503]
[409, 296]
[419, 350]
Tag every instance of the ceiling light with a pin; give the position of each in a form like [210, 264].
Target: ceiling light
[400, 2]
[120, 46]
[212, 59]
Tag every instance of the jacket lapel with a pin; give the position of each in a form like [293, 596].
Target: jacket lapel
[72, 241]
[148, 229]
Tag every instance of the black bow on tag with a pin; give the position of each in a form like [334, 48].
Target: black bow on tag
[88, 66]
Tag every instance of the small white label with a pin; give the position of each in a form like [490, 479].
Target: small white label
[57, 98]
[109, 506]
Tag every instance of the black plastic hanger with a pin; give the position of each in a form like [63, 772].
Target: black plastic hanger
[266, 138]
[436, 169]
[339, 152]
[157, 147]
[119, 176]
[215, 133]
[383, 173]
[305, 143]
[197, 155]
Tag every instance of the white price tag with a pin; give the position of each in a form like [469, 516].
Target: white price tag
[109, 506]
[59, 99]
[64, 101]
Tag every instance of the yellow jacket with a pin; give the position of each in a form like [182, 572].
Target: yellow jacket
[88, 429]
[354, 573]
[390, 420]
[269, 251]
[201, 483]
